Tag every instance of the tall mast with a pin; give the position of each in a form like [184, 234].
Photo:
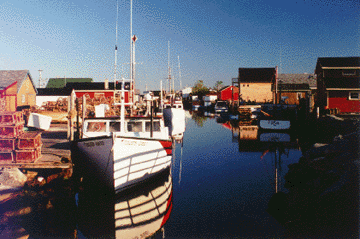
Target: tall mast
[179, 73]
[131, 42]
[116, 41]
[169, 77]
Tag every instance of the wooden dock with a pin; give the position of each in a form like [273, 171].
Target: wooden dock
[55, 151]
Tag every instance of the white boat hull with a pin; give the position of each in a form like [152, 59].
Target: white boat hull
[121, 161]
[175, 120]
[275, 124]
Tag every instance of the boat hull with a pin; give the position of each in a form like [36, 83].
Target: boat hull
[274, 124]
[119, 162]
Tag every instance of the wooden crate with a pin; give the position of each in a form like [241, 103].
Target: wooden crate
[11, 131]
[11, 117]
[7, 144]
[29, 140]
[7, 157]
[27, 155]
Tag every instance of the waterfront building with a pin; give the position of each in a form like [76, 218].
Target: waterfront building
[338, 84]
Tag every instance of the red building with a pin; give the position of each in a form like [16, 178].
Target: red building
[97, 89]
[338, 84]
[228, 93]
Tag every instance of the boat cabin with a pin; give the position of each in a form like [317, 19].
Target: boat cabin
[134, 127]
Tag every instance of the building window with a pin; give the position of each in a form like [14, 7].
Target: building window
[99, 95]
[354, 95]
[349, 72]
[23, 98]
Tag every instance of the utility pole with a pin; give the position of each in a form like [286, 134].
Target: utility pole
[40, 79]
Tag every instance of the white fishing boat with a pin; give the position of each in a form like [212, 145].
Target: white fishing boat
[273, 124]
[121, 157]
[121, 152]
[173, 111]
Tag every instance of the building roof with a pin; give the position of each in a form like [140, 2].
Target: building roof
[54, 92]
[298, 80]
[61, 82]
[228, 86]
[337, 62]
[8, 77]
[93, 85]
[257, 75]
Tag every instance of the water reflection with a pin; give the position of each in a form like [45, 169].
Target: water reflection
[138, 212]
[38, 210]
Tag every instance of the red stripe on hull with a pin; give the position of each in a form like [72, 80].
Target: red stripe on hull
[166, 144]
[167, 215]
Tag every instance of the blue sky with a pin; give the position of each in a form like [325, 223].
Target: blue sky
[212, 39]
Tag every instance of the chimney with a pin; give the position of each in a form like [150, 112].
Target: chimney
[106, 84]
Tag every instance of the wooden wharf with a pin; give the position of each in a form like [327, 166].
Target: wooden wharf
[55, 151]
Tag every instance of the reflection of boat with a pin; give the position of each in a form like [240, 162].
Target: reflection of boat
[274, 137]
[136, 213]
[141, 214]
[196, 105]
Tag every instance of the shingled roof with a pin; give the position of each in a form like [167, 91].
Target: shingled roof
[298, 79]
[61, 82]
[8, 77]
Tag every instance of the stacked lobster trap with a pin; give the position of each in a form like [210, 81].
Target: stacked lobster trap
[17, 146]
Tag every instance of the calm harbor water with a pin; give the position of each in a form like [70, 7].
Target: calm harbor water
[219, 186]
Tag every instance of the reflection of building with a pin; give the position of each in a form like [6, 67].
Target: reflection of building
[249, 132]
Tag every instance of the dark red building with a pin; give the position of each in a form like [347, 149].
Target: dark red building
[97, 89]
[228, 93]
[338, 84]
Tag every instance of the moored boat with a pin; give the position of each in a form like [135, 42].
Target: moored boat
[122, 158]
[120, 152]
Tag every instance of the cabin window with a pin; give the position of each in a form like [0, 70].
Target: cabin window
[354, 95]
[134, 126]
[23, 98]
[96, 127]
[114, 126]
[156, 126]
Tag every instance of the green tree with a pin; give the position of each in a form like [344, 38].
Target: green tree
[200, 89]
[218, 85]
